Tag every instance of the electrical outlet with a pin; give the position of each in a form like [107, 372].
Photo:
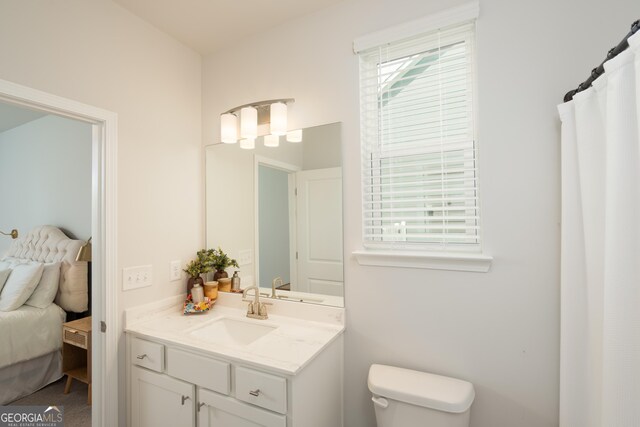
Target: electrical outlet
[245, 257]
[136, 277]
[176, 271]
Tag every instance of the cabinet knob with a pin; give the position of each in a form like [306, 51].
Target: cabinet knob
[142, 356]
[184, 399]
[255, 392]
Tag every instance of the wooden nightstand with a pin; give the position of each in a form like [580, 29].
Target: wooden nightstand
[76, 352]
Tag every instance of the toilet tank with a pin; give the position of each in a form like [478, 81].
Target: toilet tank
[403, 397]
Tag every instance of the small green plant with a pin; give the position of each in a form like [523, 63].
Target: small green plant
[195, 268]
[216, 259]
[209, 260]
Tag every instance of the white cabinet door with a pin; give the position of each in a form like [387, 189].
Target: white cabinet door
[319, 230]
[158, 400]
[216, 410]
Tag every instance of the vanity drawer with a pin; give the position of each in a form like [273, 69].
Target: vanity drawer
[147, 354]
[261, 389]
[217, 410]
[203, 371]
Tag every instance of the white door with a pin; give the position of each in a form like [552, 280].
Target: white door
[216, 410]
[160, 401]
[320, 231]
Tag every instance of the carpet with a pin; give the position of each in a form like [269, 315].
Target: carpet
[76, 411]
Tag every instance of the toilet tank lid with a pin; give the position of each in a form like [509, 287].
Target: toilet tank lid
[421, 388]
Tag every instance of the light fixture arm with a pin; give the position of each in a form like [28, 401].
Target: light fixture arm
[13, 233]
[260, 104]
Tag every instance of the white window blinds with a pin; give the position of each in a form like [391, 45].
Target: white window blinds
[420, 187]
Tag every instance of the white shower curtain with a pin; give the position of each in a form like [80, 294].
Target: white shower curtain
[600, 267]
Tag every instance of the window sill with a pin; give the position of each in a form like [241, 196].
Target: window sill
[430, 260]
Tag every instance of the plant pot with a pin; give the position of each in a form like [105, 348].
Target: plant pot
[192, 281]
[220, 274]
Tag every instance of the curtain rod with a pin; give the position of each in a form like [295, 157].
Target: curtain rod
[599, 70]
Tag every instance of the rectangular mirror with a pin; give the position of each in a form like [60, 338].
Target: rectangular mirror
[278, 212]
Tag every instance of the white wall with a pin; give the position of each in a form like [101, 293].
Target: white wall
[499, 330]
[45, 177]
[322, 147]
[97, 53]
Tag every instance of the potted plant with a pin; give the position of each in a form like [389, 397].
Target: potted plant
[195, 269]
[216, 260]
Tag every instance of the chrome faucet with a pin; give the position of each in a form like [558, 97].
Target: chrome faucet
[274, 282]
[255, 309]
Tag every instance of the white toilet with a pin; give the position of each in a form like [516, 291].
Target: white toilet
[406, 398]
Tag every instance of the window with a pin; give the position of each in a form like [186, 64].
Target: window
[419, 170]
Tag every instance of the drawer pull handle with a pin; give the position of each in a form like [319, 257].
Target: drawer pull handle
[200, 405]
[73, 331]
[184, 399]
[142, 356]
[255, 392]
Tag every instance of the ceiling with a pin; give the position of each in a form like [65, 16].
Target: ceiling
[12, 116]
[208, 25]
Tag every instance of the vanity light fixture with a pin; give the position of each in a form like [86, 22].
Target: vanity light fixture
[271, 140]
[278, 118]
[242, 122]
[295, 135]
[248, 143]
[13, 233]
[248, 123]
[229, 128]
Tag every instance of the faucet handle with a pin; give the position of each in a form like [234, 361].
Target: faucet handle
[262, 309]
[250, 309]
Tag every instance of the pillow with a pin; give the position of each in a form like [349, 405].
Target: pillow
[20, 285]
[10, 262]
[4, 275]
[47, 289]
[7, 263]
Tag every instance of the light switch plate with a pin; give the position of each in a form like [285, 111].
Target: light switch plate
[245, 257]
[136, 277]
[176, 271]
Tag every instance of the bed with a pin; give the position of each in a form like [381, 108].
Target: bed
[31, 337]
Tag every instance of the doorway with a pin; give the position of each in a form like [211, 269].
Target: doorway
[275, 215]
[103, 232]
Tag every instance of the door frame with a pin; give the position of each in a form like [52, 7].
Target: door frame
[291, 170]
[104, 236]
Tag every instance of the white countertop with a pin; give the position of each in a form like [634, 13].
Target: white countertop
[303, 330]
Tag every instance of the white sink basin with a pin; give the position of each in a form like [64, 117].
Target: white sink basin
[230, 331]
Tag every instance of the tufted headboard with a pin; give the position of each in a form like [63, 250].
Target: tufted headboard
[48, 244]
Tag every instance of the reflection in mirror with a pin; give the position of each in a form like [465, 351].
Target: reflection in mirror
[278, 212]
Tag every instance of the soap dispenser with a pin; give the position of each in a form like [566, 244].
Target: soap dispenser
[235, 282]
[197, 293]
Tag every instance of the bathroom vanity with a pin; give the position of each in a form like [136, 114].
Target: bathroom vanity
[223, 369]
